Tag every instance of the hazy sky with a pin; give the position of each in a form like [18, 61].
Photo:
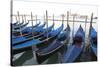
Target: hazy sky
[25, 6]
[39, 8]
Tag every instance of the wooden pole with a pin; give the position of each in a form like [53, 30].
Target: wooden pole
[85, 28]
[47, 22]
[53, 21]
[88, 45]
[25, 18]
[85, 49]
[67, 24]
[11, 10]
[16, 19]
[91, 23]
[44, 19]
[34, 48]
[67, 17]
[36, 19]
[32, 23]
[19, 23]
[70, 12]
[62, 18]
[73, 27]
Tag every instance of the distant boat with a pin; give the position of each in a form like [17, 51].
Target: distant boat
[75, 49]
[93, 41]
[27, 44]
[56, 45]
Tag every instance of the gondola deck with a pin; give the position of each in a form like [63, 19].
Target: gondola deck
[76, 47]
[56, 45]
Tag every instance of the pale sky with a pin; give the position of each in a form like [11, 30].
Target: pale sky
[39, 8]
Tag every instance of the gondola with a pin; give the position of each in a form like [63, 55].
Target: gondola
[43, 31]
[93, 41]
[39, 31]
[14, 24]
[75, 49]
[17, 25]
[28, 30]
[56, 45]
[29, 36]
[19, 28]
[27, 44]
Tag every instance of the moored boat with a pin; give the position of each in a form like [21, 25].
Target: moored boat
[75, 49]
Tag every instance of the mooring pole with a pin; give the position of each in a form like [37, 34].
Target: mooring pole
[67, 17]
[90, 28]
[85, 28]
[25, 18]
[53, 21]
[73, 27]
[36, 19]
[11, 14]
[22, 18]
[32, 24]
[19, 23]
[47, 22]
[62, 19]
